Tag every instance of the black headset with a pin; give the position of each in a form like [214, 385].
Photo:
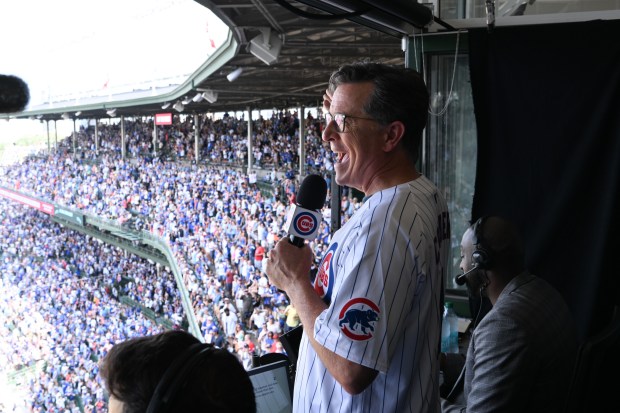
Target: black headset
[482, 257]
[176, 376]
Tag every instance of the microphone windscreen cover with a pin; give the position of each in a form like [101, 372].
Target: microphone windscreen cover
[14, 94]
[312, 192]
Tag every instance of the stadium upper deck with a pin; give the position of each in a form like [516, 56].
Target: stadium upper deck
[286, 50]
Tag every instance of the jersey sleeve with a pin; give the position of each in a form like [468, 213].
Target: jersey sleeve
[375, 268]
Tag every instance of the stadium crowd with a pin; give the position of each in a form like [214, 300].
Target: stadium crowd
[59, 310]
[216, 219]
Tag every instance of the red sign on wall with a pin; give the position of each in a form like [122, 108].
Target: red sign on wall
[163, 119]
[25, 200]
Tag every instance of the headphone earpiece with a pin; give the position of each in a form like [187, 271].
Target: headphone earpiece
[176, 376]
[482, 256]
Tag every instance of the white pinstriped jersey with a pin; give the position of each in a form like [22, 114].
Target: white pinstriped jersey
[382, 279]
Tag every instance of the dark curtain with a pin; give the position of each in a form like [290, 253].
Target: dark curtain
[547, 106]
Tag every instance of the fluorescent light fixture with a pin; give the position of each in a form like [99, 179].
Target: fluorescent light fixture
[178, 106]
[198, 98]
[210, 96]
[111, 112]
[187, 100]
[166, 105]
[66, 116]
[232, 76]
[78, 113]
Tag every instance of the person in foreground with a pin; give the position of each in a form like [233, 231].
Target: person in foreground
[372, 316]
[174, 372]
[522, 353]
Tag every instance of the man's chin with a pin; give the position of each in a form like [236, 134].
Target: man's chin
[340, 169]
[337, 175]
[476, 291]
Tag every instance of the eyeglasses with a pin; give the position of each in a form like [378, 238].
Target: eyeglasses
[340, 120]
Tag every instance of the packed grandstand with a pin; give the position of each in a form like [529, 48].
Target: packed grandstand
[68, 297]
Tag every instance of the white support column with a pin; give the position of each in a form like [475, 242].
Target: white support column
[155, 138]
[196, 137]
[250, 160]
[302, 144]
[122, 137]
[47, 125]
[74, 139]
[97, 137]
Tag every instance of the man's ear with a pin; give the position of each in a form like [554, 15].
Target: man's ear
[394, 134]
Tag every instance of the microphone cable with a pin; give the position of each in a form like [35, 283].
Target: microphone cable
[458, 384]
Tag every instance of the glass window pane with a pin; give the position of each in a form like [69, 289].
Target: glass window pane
[450, 147]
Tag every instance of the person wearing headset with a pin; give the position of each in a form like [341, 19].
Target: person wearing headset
[174, 372]
[522, 352]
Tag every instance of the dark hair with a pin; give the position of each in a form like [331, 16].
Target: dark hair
[400, 94]
[218, 383]
[503, 240]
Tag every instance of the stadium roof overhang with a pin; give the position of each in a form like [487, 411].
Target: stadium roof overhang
[309, 39]
[311, 48]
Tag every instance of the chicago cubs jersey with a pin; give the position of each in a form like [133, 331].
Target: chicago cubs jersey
[382, 280]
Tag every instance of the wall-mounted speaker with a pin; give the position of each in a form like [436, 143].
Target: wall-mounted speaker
[210, 96]
[266, 46]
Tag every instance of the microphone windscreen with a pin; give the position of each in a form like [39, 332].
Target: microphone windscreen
[312, 192]
[14, 94]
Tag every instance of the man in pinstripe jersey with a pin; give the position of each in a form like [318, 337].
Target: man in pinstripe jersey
[372, 316]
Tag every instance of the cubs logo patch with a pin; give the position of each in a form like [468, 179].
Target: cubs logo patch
[324, 280]
[355, 319]
[305, 223]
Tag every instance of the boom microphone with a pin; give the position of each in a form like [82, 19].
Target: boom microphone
[462, 278]
[14, 94]
[304, 218]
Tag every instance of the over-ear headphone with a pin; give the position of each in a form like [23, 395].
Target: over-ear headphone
[176, 376]
[482, 257]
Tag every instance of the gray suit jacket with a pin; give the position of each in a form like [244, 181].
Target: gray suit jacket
[521, 354]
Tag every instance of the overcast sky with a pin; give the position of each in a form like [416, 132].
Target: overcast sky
[67, 46]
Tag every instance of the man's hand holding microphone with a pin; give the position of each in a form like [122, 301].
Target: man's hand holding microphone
[289, 262]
